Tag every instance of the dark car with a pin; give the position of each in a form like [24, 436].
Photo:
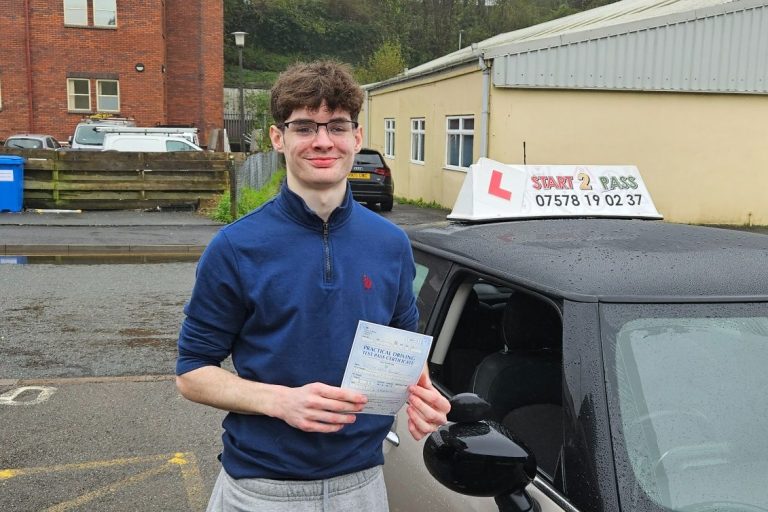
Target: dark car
[32, 141]
[371, 180]
[593, 364]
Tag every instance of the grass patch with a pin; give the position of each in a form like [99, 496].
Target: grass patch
[421, 203]
[248, 199]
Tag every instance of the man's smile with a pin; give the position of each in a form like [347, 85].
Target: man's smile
[324, 161]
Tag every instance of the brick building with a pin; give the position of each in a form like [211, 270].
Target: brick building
[157, 61]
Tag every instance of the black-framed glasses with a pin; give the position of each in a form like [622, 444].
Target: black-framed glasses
[306, 128]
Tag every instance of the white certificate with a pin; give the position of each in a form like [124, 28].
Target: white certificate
[383, 362]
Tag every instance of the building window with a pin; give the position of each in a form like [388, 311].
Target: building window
[108, 95]
[460, 133]
[79, 94]
[76, 12]
[389, 138]
[417, 140]
[104, 13]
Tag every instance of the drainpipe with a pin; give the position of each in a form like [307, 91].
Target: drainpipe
[367, 119]
[484, 115]
[30, 97]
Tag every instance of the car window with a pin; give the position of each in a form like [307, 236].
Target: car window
[24, 143]
[88, 135]
[430, 276]
[687, 397]
[506, 347]
[178, 145]
[368, 159]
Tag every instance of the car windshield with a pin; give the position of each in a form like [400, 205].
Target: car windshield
[688, 406]
[88, 135]
[24, 143]
[367, 159]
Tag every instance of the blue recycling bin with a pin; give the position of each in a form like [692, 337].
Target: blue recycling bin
[11, 183]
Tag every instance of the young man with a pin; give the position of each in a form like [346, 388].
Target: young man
[282, 290]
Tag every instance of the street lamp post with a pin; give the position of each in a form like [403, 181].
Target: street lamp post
[240, 43]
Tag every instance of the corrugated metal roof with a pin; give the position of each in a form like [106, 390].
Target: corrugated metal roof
[664, 45]
[715, 51]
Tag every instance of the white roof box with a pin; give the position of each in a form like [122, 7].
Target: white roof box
[494, 191]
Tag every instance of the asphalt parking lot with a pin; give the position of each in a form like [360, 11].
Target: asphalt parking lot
[90, 416]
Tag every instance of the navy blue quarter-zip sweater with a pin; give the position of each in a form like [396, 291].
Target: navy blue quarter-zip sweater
[282, 292]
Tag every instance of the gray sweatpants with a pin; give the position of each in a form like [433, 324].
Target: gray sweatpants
[361, 491]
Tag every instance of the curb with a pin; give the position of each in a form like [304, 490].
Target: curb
[101, 250]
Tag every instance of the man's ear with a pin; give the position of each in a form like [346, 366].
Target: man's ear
[358, 139]
[276, 136]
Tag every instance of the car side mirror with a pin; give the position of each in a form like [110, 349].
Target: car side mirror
[475, 456]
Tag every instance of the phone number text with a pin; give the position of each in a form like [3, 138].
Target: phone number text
[589, 200]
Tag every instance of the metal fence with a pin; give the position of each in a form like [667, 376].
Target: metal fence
[237, 127]
[257, 169]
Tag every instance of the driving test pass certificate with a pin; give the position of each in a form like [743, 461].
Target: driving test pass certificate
[383, 362]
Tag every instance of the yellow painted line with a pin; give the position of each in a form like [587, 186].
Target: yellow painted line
[178, 458]
[10, 473]
[185, 462]
[197, 499]
[5, 474]
[107, 489]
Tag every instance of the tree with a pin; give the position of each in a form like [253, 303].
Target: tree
[257, 105]
[379, 37]
[387, 61]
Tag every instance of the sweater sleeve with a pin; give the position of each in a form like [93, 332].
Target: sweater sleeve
[215, 312]
[406, 314]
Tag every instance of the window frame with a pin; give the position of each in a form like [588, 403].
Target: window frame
[389, 137]
[71, 11]
[99, 95]
[418, 139]
[72, 95]
[460, 134]
[98, 8]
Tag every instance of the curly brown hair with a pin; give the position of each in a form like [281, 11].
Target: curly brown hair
[308, 85]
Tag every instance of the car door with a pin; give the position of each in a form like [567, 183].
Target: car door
[465, 312]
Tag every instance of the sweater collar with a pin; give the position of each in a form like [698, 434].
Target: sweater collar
[296, 208]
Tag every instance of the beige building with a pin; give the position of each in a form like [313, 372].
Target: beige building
[677, 88]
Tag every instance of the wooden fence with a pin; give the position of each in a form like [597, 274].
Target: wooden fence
[93, 180]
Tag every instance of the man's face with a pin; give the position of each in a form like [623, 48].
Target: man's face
[321, 160]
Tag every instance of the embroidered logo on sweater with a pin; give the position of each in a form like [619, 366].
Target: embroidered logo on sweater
[367, 283]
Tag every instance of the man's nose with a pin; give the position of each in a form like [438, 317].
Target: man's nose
[322, 136]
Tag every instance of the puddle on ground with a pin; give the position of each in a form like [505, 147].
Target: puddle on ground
[97, 259]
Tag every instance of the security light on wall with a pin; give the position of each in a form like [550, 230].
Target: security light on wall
[139, 67]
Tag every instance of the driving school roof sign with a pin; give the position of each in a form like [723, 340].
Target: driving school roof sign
[493, 190]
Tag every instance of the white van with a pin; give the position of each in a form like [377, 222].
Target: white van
[140, 143]
[187, 132]
[87, 135]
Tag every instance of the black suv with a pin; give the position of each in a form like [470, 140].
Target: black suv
[371, 179]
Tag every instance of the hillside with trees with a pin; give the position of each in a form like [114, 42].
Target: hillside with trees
[379, 38]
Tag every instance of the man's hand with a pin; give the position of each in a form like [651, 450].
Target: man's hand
[317, 407]
[427, 408]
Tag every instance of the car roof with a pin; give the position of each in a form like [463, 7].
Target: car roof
[609, 260]
[28, 136]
